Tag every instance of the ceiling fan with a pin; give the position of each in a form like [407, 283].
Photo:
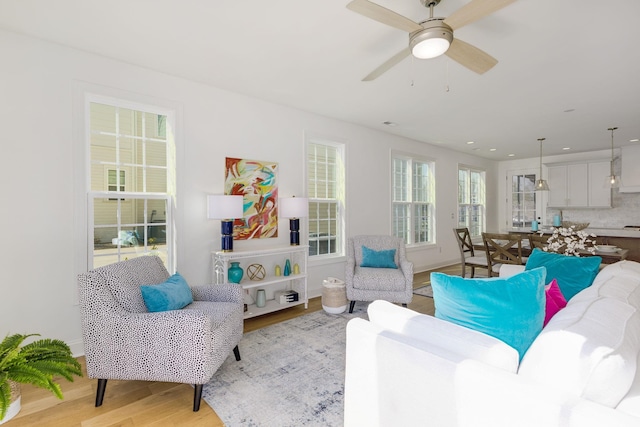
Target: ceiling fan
[434, 36]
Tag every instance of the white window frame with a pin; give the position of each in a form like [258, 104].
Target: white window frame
[122, 252]
[339, 199]
[468, 205]
[410, 223]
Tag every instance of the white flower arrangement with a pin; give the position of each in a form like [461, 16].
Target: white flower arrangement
[569, 241]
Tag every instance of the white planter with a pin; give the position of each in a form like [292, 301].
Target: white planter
[14, 407]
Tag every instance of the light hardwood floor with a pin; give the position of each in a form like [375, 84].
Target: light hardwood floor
[143, 403]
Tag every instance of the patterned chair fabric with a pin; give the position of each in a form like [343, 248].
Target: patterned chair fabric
[370, 284]
[123, 341]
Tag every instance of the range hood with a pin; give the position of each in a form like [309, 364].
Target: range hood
[630, 171]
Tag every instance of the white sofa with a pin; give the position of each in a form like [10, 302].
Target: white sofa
[408, 369]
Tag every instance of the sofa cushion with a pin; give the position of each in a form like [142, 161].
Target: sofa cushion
[572, 273]
[510, 309]
[383, 279]
[588, 349]
[125, 277]
[465, 342]
[620, 281]
[378, 259]
[554, 301]
[173, 294]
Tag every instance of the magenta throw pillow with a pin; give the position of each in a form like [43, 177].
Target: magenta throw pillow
[555, 301]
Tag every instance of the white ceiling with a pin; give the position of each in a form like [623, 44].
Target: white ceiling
[567, 69]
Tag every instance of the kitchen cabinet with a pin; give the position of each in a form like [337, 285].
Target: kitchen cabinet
[579, 185]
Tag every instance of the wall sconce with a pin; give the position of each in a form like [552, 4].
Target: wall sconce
[294, 208]
[225, 208]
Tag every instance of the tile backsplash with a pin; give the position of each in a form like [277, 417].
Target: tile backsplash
[625, 211]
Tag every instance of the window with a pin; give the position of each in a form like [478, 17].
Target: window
[523, 199]
[471, 200]
[130, 194]
[413, 189]
[325, 188]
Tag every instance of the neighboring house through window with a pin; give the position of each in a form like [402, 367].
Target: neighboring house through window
[413, 199]
[471, 200]
[132, 181]
[325, 190]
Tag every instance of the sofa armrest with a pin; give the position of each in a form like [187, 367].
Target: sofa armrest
[226, 292]
[508, 270]
[449, 336]
[394, 380]
[122, 345]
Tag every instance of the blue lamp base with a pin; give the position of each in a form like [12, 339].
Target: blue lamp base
[226, 230]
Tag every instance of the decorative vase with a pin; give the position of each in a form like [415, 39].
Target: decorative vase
[235, 272]
[296, 269]
[287, 268]
[278, 271]
[261, 298]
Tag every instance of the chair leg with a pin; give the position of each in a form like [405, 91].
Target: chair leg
[353, 304]
[197, 397]
[404, 305]
[473, 271]
[236, 352]
[102, 386]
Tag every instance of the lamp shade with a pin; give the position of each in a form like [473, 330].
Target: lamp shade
[432, 41]
[221, 206]
[294, 207]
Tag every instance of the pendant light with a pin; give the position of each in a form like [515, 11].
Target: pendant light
[541, 184]
[613, 181]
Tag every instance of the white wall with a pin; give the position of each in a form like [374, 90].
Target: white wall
[42, 233]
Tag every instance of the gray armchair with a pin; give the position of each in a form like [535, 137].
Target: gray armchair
[123, 341]
[370, 284]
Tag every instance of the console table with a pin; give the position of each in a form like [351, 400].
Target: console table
[269, 259]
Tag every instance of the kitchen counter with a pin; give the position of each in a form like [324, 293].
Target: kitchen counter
[610, 232]
[620, 237]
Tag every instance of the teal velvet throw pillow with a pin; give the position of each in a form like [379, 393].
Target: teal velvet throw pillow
[173, 294]
[378, 259]
[572, 273]
[510, 309]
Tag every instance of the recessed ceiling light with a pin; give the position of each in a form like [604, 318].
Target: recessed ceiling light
[634, 140]
[511, 155]
[566, 148]
[470, 142]
[388, 123]
[492, 149]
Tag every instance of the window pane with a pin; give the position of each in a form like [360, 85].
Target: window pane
[324, 179]
[128, 153]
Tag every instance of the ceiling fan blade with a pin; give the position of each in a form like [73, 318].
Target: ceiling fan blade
[471, 57]
[383, 15]
[473, 11]
[390, 63]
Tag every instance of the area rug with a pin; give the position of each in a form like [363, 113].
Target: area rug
[425, 291]
[291, 374]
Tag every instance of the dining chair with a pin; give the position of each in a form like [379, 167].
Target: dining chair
[537, 240]
[502, 248]
[467, 253]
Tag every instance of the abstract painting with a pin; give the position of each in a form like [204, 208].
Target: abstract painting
[257, 182]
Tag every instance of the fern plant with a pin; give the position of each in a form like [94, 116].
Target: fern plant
[35, 363]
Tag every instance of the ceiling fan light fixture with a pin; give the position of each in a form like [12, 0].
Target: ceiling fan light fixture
[432, 41]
